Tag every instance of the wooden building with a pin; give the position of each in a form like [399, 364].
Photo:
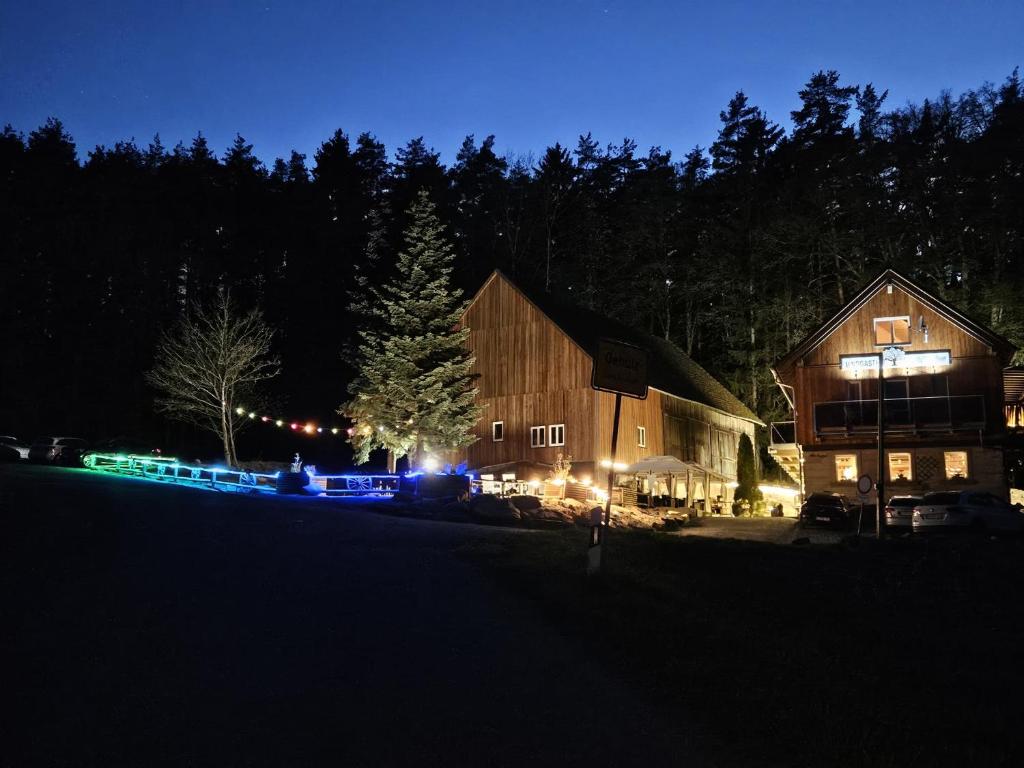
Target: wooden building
[534, 361]
[943, 388]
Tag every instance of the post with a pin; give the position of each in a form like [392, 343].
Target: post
[611, 469]
[880, 482]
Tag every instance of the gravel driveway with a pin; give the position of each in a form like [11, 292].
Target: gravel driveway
[774, 530]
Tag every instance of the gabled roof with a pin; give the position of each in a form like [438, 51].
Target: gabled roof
[669, 370]
[890, 276]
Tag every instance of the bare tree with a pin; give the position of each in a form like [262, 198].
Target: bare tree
[212, 361]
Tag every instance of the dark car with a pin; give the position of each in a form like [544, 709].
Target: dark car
[827, 509]
[127, 446]
[57, 450]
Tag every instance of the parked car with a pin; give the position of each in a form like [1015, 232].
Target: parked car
[12, 449]
[57, 450]
[899, 512]
[972, 510]
[828, 509]
[126, 446]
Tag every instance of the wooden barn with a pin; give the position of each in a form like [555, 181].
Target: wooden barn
[945, 421]
[534, 360]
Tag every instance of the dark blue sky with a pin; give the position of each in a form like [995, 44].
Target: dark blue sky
[287, 74]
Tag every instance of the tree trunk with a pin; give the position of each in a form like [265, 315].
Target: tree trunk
[225, 433]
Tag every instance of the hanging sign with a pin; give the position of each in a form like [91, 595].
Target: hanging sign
[906, 360]
[620, 368]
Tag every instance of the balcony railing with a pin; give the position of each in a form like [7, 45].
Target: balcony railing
[902, 414]
[782, 432]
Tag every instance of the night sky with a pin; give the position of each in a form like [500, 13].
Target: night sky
[286, 75]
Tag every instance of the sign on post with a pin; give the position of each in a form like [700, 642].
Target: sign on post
[620, 368]
[864, 486]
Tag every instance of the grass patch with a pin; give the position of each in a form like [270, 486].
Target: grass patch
[897, 653]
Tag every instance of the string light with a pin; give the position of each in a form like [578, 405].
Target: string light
[307, 428]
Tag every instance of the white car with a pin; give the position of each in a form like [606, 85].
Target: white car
[899, 512]
[13, 449]
[973, 510]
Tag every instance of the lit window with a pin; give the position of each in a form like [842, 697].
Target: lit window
[641, 436]
[956, 464]
[900, 467]
[846, 468]
[497, 431]
[536, 437]
[892, 330]
[556, 434]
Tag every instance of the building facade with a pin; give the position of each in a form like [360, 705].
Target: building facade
[534, 360]
[942, 381]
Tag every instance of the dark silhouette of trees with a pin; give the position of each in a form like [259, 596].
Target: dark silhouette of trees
[733, 252]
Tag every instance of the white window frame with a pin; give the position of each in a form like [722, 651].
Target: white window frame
[890, 455]
[551, 434]
[641, 436]
[535, 433]
[837, 474]
[967, 465]
[495, 425]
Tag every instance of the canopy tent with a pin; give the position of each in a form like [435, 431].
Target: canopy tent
[674, 468]
[662, 465]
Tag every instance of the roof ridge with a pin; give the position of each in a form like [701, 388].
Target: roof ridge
[670, 370]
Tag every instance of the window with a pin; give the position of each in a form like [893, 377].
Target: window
[536, 437]
[897, 406]
[940, 385]
[900, 467]
[956, 464]
[556, 434]
[892, 330]
[641, 436]
[846, 468]
[497, 431]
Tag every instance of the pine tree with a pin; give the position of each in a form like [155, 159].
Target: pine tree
[414, 391]
[746, 473]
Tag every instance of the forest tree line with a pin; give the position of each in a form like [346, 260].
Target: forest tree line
[733, 251]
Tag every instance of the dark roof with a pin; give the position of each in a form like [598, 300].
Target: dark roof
[948, 311]
[669, 369]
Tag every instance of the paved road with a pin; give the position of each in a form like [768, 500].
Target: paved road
[158, 625]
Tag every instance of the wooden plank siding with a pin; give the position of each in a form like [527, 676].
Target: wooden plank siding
[635, 413]
[817, 376]
[529, 374]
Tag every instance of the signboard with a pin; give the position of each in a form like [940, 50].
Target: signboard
[864, 486]
[620, 368]
[906, 360]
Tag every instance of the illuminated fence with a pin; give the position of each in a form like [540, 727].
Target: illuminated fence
[170, 470]
[356, 485]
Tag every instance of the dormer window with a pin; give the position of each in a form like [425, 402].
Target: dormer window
[891, 331]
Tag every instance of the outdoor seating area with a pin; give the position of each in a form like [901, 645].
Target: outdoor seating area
[656, 482]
